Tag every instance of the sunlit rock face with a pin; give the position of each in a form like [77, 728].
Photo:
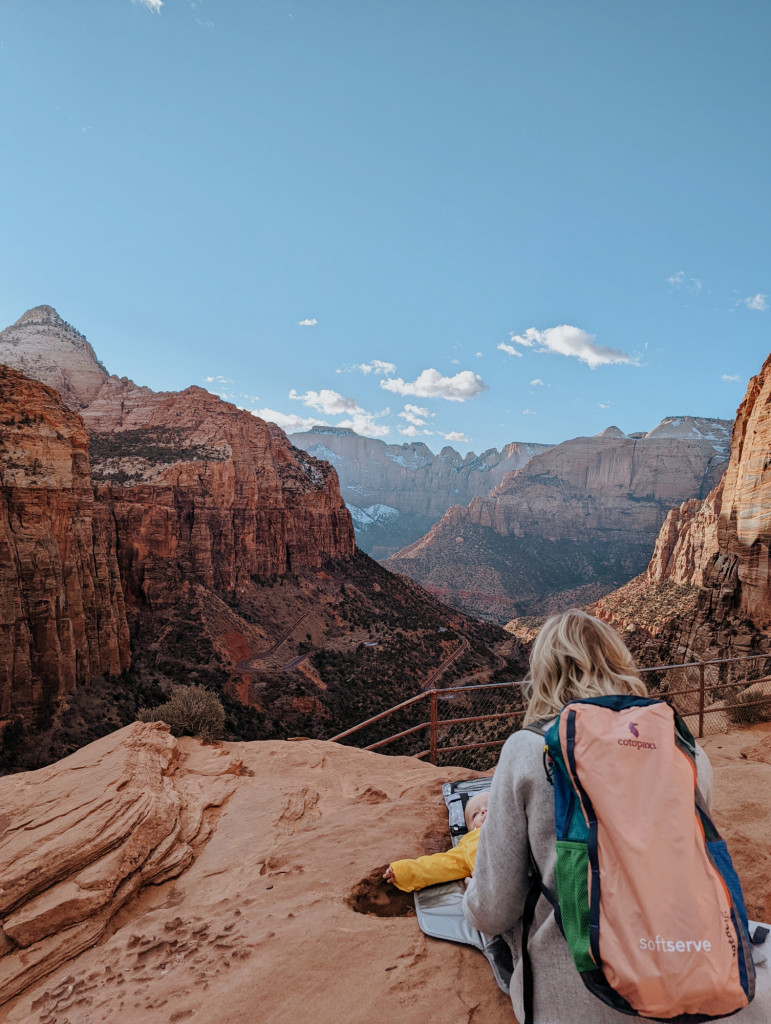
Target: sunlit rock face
[46, 348]
[744, 522]
[707, 588]
[205, 492]
[62, 616]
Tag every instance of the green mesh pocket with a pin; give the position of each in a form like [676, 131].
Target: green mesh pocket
[573, 894]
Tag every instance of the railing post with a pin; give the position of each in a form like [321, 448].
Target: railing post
[701, 699]
[432, 738]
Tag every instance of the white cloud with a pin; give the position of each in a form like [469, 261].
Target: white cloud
[510, 349]
[307, 323]
[151, 5]
[291, 424]
[362, 422]
[378, 367]
[456, 435]
[478, 355]
[431, 384]
[679, 280]
[729, 376]
[757, 302]
[537, 383]
[528, 412]
[604, 405]
[331, 403]
[455, 362]
[217, 380]
[416, 415]
[409, 431]
[571, 341]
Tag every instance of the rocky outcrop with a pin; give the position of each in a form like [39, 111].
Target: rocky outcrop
[62, 618]
[82, 837]
[715, 551]
[397, 492]
[202, 492]
[575, 522]
[46, 348]
[283, 908]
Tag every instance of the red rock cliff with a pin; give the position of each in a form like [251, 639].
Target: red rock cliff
[62, 619]
[713, 554]
[205, 492]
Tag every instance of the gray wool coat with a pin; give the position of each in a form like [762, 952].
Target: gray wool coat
[522, 807]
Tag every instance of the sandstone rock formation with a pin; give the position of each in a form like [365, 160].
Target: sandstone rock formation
[576, 521]
[397, 492]
[201, 491]
[62, 619]
[234, 556]
[46, 348]
[81, 837]
[266, 902]
[707, 589]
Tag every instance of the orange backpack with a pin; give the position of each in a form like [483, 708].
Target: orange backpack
[647, 897]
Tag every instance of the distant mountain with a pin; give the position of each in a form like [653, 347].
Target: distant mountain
[575, 522]
[396, 493]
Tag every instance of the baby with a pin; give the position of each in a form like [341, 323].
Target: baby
[458, 862]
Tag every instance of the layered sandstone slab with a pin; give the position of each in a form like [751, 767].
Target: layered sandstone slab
[62, 615]
[83, 836]
[283, 916]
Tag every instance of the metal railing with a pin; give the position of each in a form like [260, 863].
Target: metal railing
[466, 724]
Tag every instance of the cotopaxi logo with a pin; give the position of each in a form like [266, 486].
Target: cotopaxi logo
[640, 744]
[676, 945]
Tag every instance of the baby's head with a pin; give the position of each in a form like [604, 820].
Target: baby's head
[476, 811]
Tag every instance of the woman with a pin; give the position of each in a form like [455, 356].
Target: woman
[575, 656]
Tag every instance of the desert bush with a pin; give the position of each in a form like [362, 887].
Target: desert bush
[190, 711]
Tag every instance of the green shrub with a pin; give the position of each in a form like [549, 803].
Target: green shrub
[190, 711]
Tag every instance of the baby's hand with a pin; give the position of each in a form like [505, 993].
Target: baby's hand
[467, 881]
[389, 875]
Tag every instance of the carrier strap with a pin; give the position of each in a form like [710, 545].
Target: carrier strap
[528, 914]
[536, 890]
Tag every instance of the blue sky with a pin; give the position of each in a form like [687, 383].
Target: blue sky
[464, 222]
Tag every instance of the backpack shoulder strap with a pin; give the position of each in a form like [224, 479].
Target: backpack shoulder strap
[541, 727]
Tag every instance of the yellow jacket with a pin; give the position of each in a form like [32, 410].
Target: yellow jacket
[438, 867]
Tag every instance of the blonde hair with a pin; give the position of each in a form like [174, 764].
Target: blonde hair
[575, 656]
